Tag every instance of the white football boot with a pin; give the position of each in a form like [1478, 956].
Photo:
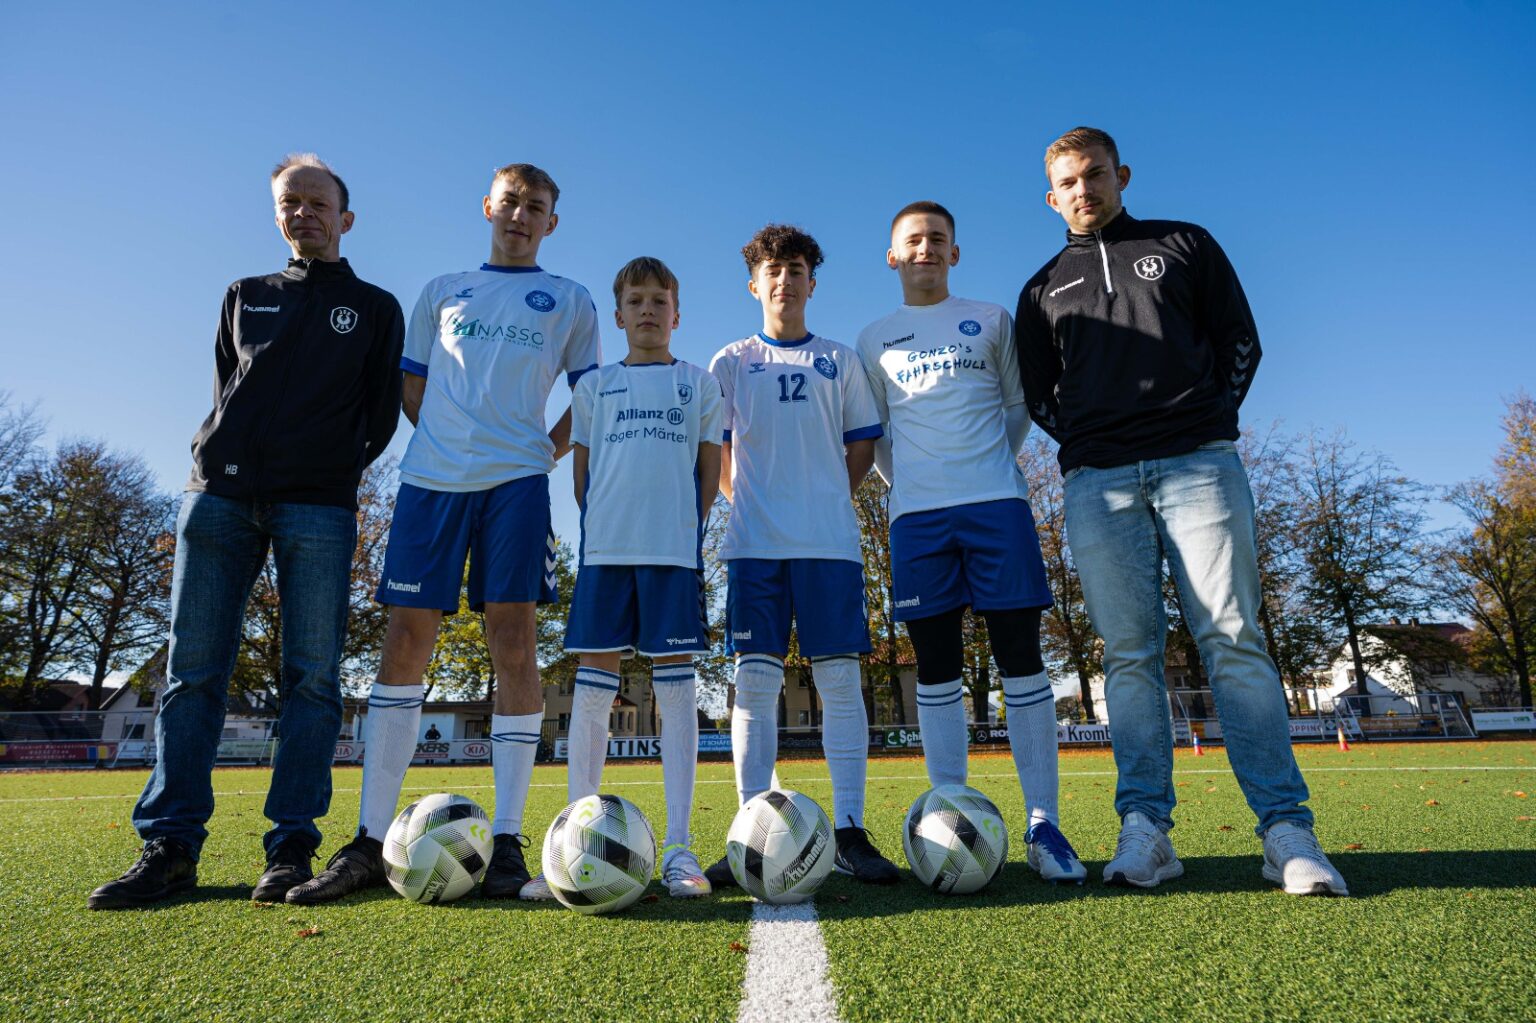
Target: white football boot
[536, 890]
[682, 874]
[1143, 855]
[1294, 861]
[1052, 856]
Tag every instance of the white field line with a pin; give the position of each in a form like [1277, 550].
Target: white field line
[786, 978]
[804, 778]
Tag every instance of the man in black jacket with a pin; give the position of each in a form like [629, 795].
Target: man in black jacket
[306, 394]
[1136, 347]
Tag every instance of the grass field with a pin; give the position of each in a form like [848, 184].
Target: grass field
[1438, 844]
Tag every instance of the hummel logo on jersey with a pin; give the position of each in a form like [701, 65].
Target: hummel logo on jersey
[261, 308]
[403, 587]
[757, 367]
[898, 341]
[465, 293]
[826, 367]
[970, 328]
[910, 602]
[742, 635]
[343, 319]
[1149, 267]
[684, 393]
[1064, 287]
[616, 390]
[683, 642]
[540, 301]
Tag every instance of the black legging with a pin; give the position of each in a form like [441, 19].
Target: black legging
[940, 653]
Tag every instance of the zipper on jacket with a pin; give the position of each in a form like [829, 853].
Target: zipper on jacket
[1104, 256]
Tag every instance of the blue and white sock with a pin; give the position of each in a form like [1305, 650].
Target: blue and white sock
[514, 743]
[586, 740]
[1032, 735]
[941, 719]
[845, 734]
[755, 723]
[389, 743]
[675, 687]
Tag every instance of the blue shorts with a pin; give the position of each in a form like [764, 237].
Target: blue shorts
[657, 610]
[985, 556]
[824, 596]
[504, 531]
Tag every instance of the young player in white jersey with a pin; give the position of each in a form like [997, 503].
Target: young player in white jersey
[800, 427]
[645, 433]
[945, 377]
[482, 351]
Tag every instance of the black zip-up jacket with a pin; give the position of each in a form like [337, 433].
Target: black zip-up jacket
[306, 388]
[1135, 342]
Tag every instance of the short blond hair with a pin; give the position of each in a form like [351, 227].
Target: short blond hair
[1076, 141]
[644, 270]
[312, 160]
[526, 176]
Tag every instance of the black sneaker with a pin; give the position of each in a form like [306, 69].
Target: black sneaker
[719, 875]
[165, 867]
[857, 855]
[357, 865]
[506, 874]
[287, 868]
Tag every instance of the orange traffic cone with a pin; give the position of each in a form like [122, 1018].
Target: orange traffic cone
[1195, 741]
[1343, 742]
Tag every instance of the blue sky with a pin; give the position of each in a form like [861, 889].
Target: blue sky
[1363, 165]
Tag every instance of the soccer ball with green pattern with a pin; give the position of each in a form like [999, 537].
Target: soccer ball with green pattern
[598, 854]
[780, 847]
[438, 848]
[955, 840]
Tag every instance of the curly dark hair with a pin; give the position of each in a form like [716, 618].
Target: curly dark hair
[781, 242]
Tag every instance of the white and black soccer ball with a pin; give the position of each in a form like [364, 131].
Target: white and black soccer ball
[599, 854]
[438, 848]
[780, 847]
[955, 840]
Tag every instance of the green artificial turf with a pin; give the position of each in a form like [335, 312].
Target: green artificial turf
[1440, 858]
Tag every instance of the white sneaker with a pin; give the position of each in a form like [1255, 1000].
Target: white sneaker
[1294, 861]
[682, 874]
[536, 890]
[1052, 857]
[1143, 855]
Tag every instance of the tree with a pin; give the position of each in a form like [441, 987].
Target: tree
[1066, 632]
[714, 671]
[1359, 522]
[892, 648]
[366, 617]
[20, 430]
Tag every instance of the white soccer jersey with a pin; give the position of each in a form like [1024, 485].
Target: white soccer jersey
[941, 376]
[491, 343]
[790, 406]
[642, 426]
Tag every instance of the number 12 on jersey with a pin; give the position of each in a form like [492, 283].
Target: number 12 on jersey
[792, 387]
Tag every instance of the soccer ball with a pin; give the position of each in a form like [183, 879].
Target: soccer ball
[955, 840]
[598, 854]
[780, 847]
[438, 848]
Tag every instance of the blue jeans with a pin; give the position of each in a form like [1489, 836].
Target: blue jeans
[221, 545]
[1197, 511]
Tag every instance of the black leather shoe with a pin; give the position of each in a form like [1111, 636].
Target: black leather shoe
[507, 872]
[287, 868]
[857, 855]
[719, 875]
[165, 867]
[357, 865]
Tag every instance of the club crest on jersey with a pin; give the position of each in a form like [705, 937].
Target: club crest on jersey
[970, 328]
[684, 393]
[540, 301]
[343, 319]
[1149, 268]
[826, 367]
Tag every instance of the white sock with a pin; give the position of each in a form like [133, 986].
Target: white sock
[941, 720]
[755, 723]
[389, 743]
[1032, 734]
[674, 686]
[514, 743]
[586, 743]
[844, 735]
